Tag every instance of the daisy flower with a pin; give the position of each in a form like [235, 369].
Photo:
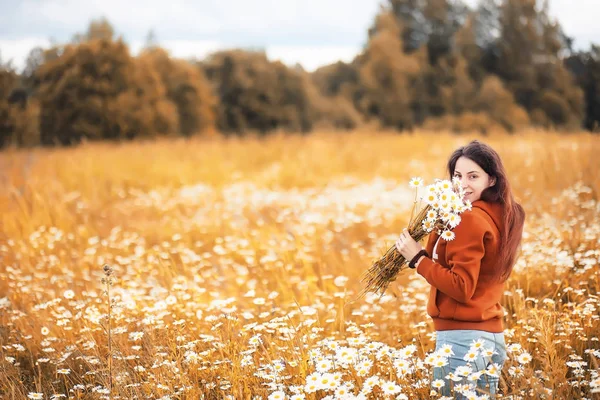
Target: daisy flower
[524, 358]
[446, 350]
[311, 387]
[390, 387]
[445, 206]
[430, 198]
[493, 370]
[477, 344]
[35, 396]
[471, 355]
[324, 366]
[315, 377]
[448, 235]
[325, 381]
[453, 220]
[444, 185]
[468, 205]
[299, 396]
[463, 370]
[440, 362]
[438, 383]
[488, 352]
[428, 225]
[372, 381]
[416, 182]
[278, 395]
[513, 348]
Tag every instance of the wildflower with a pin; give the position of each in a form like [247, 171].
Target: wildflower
[444, 185]
[430, 199]
[431, 189]
[471, 355]
[474, 376]
[453, 220]
[440, 362]
[513, 348]
[372, 381]
[35, 396]
[342, 391]
[311, 387]
[408, 350]
[448, 235]
[477, 344]
[524, 358]
[515, 371]
[446, 350]
[438, 383]
[255, 340]
[428, 225]
[69, 294]
[45, 331]
[324, 366]
[325, 381]
[493, 370]
[64, 371]
[135, 336]
[390, 388]
[463, 370]
[416, 182]
[298, 396]
[278, 395]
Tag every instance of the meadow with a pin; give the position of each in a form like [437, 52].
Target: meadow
[234, 265]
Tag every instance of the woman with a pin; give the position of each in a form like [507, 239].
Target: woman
[467, 274]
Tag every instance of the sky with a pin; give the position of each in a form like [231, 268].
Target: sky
[309, 32]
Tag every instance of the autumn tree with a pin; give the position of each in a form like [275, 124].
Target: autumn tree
[529, 63]
[585, 66]
[186, 87]
[18, 113]
[257, 94]
[386, 75]
[96, 90]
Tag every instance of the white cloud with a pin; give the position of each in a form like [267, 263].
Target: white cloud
[310, 32]
[17, 50]
[196, 49]
[311, 57]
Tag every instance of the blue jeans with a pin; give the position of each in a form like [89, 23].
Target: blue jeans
[461, 342]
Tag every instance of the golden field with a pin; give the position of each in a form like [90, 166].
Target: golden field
[237, 263]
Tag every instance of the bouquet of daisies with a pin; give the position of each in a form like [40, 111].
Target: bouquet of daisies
[441, 213]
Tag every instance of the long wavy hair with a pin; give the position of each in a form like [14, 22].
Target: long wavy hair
[514, 215]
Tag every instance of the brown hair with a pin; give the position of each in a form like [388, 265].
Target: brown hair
[514, 215]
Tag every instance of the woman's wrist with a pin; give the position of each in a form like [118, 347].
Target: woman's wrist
[417, 258]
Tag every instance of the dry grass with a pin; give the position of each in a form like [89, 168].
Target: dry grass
[236, 263]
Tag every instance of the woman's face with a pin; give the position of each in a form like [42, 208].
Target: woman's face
[472, 178]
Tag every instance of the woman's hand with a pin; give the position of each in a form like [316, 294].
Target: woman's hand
[407, 246]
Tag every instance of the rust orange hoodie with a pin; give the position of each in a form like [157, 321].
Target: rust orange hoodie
[464, 293]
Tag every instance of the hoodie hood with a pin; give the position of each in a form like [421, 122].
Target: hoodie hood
[494, 210]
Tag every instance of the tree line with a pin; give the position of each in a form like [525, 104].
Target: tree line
[436, 64]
